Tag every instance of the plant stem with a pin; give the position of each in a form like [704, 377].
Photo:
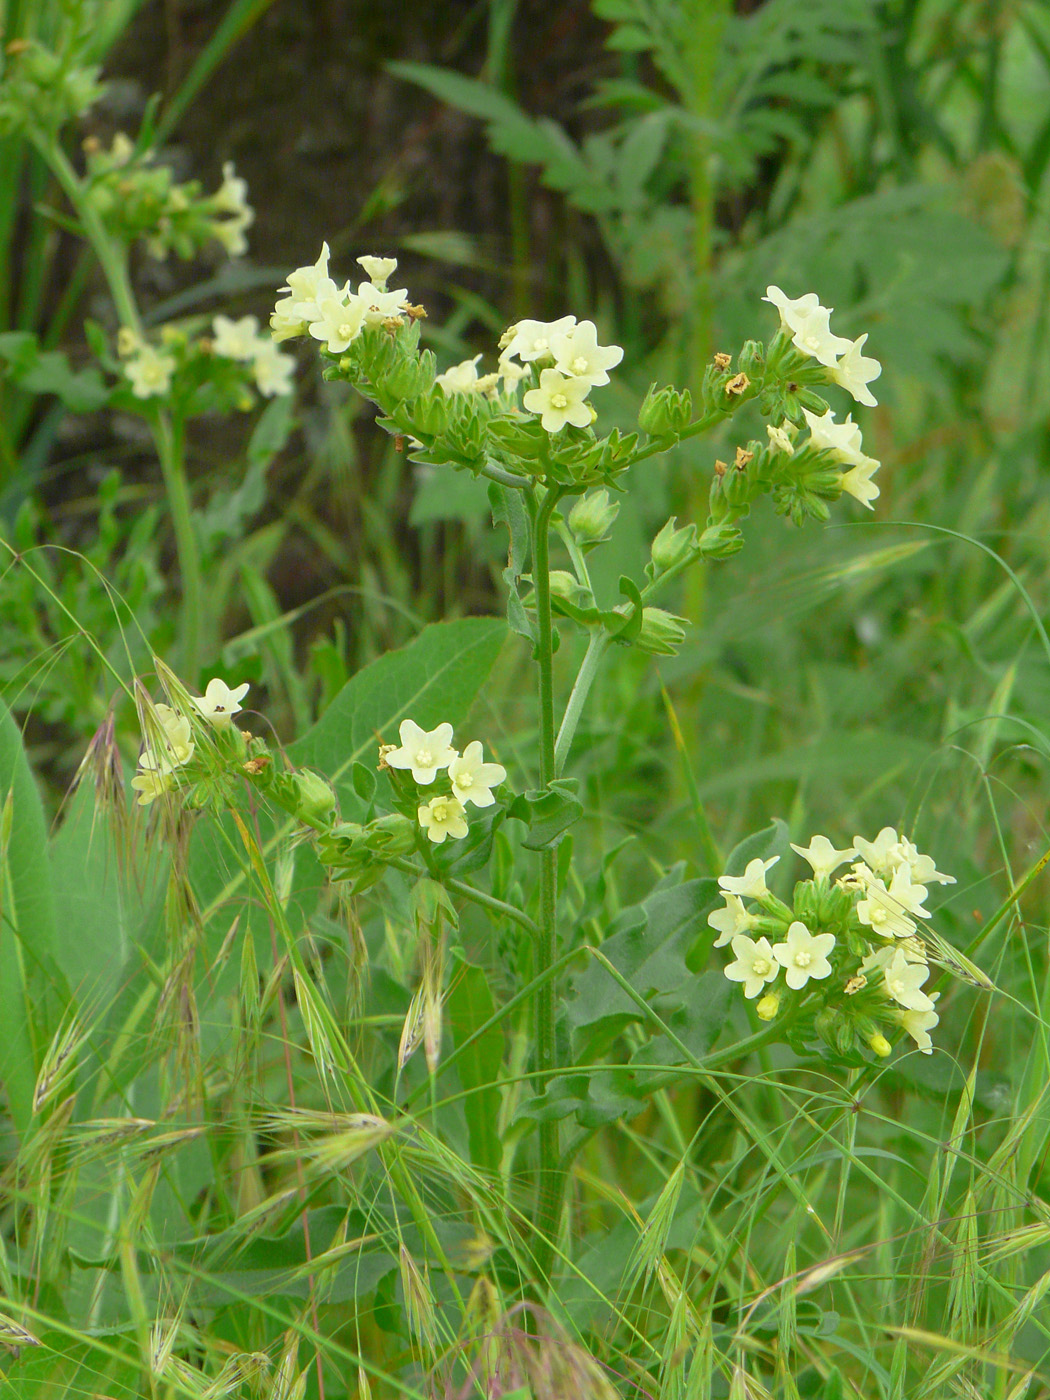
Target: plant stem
[549, 1176]
[592, 658]
[168, 435]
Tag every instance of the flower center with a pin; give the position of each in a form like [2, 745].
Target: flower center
[540, 343]
[579, 365]
[441, 810]
[424, 759]
[879, 915]
[464, 780]
[803, 959]
[896, 988]
[761, 966]
[344, 331]
[558, 401]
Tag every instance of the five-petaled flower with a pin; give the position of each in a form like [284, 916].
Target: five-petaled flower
[577, 353]
[472, 779]
[755, 964]
[855, 371]
[219, 702]
[731, 920]
[919, 1023]
[423, 753]
[804, 955]
[443, 816]
[150, 372]
[560, 399]
[531, 340]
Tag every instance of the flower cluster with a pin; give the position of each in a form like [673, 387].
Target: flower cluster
[856, 936]
[570, 363]
[841, 442]
[313, 304]
[808, 324]
[424, 754]
[169, 743]
[151, 370]
[139, 200]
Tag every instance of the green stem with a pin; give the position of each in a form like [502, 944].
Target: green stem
[592, 659]
[168, 435]
[110, 255]
[549, 1176]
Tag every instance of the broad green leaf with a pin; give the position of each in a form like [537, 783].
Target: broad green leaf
[548, 812]
[650, 946]
[771, 841]
[469, 1005]
[27, 924]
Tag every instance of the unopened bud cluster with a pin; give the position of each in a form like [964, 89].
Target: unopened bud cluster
[139, 200]
[849, 949]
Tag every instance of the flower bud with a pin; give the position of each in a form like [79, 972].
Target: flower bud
[768, 1006]
[665, 412]
[672, 546]
[808, 399]
[430, 412]
[314, 799]
[807, 903]
[880, 1045]
[720, 541]
[563, 584]
[592, 516]
[662, 632]
[392, 835]
[751, 359]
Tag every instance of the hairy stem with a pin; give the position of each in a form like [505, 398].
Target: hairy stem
[549, 1176]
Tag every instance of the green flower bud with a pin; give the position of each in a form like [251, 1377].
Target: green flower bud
[811, 400]
[563, 584]
[665, 412]
[392, 835]
[592, 516]
[430, 412]
[403, 380]
[720, 541]
[314, 798]
[662, 632]
[672, 546]
[752, 359]
[807, 903]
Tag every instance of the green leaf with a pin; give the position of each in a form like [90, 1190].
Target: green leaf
[435, 678]
[650, 946]
[548, 812]
[27, 925]
[772, 840]
[469, 1005]
[49, 372]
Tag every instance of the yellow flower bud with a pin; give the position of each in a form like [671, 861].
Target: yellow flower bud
[768, 1007]
[880, 1045]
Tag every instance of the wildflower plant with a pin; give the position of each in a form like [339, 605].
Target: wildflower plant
[842, 967]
